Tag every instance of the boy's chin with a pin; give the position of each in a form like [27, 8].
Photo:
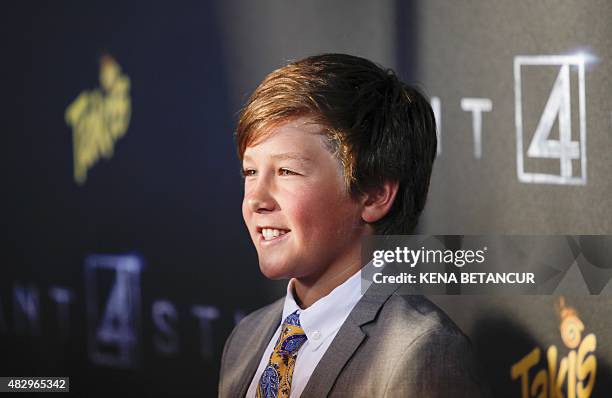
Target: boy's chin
[275, 271]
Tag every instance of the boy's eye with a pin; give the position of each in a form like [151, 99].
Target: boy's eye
[248, 172]
[286, 172]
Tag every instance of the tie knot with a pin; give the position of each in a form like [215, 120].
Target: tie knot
[293, 319]
[292, 335]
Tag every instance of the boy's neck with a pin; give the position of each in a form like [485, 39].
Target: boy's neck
[307, 292]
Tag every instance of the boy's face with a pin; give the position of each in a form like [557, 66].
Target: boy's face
[296, 206]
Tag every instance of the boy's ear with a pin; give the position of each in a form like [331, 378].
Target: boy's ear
[378, 201]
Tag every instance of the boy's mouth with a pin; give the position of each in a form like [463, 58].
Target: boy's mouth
[271, 233]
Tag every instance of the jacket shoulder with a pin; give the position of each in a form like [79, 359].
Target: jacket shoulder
[417, 314]
[254, 318]
[436, 359]
[244, 342]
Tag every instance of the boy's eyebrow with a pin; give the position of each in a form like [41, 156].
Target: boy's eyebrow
[286, 156]
[290, 156]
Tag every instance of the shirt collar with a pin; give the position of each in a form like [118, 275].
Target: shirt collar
[326, 315]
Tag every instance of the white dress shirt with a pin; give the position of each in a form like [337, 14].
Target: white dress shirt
[321, 322]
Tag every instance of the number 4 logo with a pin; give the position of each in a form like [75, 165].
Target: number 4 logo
[558, 107]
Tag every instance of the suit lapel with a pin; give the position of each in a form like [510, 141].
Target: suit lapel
[347, 341]
[269, 322]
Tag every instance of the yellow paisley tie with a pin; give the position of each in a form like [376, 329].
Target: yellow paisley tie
[275, 380]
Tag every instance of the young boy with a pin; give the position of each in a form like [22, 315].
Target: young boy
[333, 149]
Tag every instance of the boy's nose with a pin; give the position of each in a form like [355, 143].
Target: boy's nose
[257, 205]
[260, 201]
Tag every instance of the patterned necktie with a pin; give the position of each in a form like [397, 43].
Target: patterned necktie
[275, 380]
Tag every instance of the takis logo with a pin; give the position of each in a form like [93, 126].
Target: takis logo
[573, 376]
[99, 118]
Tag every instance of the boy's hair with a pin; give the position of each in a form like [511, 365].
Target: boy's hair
[378, 127]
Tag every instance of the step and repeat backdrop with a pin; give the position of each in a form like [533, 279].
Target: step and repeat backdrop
[521, 91]
[126, 262]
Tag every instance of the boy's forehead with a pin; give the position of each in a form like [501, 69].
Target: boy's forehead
[294, 138]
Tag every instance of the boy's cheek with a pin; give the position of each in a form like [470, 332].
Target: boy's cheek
[246, 216]
[248, 222]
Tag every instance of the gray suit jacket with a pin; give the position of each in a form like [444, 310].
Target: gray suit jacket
[389, 346]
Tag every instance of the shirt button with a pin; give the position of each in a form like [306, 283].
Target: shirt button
[316, 335]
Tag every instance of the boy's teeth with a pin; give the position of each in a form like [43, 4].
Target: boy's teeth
[271, 233]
